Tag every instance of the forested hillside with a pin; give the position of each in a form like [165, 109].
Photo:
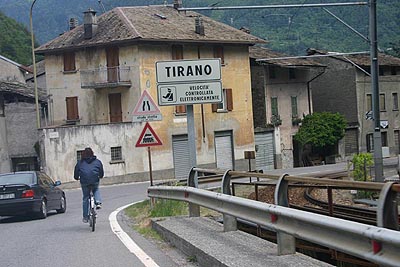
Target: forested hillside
[289, 30]
[15, 40]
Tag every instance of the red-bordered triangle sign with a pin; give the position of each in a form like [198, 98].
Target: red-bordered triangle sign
[148, 137]
[146, 109]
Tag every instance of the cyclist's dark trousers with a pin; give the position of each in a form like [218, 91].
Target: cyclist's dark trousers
[86, 195]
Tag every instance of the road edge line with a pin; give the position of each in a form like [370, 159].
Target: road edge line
[127, 241]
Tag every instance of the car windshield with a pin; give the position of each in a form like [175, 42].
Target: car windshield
[17, 178]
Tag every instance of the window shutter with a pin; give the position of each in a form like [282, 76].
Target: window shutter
[214, 107]
[177, 52]
[72, 108]
[69, 61]
[181, 109]
[229, 99]
[219, 53]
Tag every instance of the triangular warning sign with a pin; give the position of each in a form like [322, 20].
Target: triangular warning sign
[148, 137]
[146, 105]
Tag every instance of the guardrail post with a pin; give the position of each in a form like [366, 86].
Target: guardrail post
[286, 243]
[387, 214]
[194, 209]
[230, 222]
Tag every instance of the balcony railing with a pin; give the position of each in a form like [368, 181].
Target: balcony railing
[106, 77]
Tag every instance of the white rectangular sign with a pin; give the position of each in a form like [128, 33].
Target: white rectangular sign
[188, 94]
[188, 70]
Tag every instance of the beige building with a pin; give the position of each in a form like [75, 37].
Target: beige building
[96, 72]
[281, 97]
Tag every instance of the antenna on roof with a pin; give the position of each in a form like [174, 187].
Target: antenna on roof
[102, 6]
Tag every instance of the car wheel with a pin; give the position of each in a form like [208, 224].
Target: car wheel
[43, 210]
[63, 205]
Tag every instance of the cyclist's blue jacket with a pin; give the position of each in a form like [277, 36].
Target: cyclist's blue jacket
[89, 170]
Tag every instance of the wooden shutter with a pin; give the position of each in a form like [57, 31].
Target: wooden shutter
[177, 52]
[112, 54]
[69, 61]
[181, 109]
[229, 99]
[219, 53]
[214, 107]
[72, 108]
[114, 101]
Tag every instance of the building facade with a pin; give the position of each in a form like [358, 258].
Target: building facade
[346, 88]
[281, 97]
[96, 73]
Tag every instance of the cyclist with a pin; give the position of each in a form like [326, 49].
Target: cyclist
[89, 170]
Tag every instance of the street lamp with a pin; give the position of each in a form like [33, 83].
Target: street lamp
[34, 68]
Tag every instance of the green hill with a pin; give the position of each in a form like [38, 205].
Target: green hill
[15, 41]
[289, 30]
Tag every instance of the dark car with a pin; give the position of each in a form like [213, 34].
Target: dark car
[30, 192]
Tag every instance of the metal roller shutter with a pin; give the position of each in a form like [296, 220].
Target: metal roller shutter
[351, 142]
[264, 150]
[181, 156]
[224, 150]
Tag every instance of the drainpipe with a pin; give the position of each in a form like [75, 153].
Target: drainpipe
[309, 90]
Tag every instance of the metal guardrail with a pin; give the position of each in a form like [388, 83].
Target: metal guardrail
[375, 244]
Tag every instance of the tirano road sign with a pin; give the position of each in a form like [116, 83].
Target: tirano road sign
[146, 109]
[148, 137]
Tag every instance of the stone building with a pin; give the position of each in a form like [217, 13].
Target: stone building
[96, 72]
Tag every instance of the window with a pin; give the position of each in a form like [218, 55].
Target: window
[116, 153]
[382, 104]
[381, 71]
[395, 98]
[227, 102]
[177, 52]
[294, 107]
[79, 155]
[369, 102]
[292, 74]
[397, 141]
[393, 70]
[370, 142]
[274, 106]
[272, 72]
[219, 53]
[384, 139]
[69, 61]
[180, 110]
[72, 108]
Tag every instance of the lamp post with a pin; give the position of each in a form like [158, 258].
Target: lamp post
[34, 68]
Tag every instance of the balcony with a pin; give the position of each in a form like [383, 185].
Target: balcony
[106, 77]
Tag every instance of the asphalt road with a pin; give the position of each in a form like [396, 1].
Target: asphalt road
[63, 240]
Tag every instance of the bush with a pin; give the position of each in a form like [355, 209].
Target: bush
[361, 164]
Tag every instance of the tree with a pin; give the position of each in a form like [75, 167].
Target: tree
[321, 129]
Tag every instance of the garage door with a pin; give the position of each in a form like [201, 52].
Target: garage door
[224, 150]
[264, 150]
[181, 156]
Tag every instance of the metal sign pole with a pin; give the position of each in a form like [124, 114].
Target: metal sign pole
[150, 167]
[191, 139]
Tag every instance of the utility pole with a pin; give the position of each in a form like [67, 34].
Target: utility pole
[375, 92]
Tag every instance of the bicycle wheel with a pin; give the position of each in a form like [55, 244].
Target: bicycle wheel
[93, 221]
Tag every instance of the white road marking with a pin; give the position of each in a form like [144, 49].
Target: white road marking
[127, 241]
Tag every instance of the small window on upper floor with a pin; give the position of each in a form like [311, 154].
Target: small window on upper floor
[370, 142]
[292, 74]
[219, 53]
[381, 71]
[395, 98]
[72, 109]
[116, 153]
[226, 104]
[393, 70]
[180, 110]
[177, 52]
[274, 106]
[369, 102]
[382, 102]
[69, 61]
[294, 107]
[272, 72]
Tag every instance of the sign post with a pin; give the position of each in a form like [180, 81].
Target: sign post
[189, 82]
[147, 139]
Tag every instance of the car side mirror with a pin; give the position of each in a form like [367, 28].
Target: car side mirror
[57, 183]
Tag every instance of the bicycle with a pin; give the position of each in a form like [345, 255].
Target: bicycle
[92, 210]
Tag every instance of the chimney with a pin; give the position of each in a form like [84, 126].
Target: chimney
[199, 26]
[89, 23]
[73, 22]
[177, 4]
[244, 29]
